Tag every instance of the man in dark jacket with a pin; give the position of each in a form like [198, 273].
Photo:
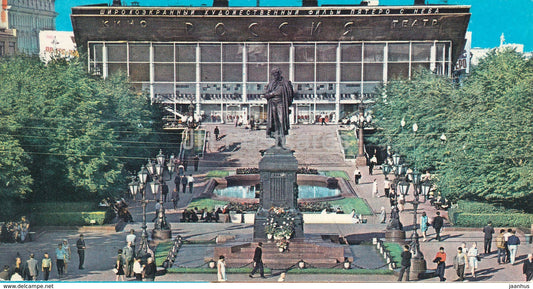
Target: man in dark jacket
[528, 267]
[258, 261]
[488, 230]
[149, 270]
[438, 222]
[406, 263]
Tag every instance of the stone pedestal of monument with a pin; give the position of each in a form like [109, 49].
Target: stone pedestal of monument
[277, 171]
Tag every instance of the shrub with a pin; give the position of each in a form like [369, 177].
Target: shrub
[68, 218]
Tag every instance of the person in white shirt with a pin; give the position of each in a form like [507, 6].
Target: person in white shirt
[190, 181]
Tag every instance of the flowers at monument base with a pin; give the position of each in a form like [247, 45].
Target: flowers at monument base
[279, 223]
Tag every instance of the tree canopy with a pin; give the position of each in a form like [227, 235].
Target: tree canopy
[487, 122]
[67, 135]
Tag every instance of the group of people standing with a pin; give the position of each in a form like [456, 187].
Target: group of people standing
[130, 263]
[31, 268]
[16, 231]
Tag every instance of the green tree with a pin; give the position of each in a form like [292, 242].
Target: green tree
[72, 133]
[491, 133]
[423, 101]
[487, 122]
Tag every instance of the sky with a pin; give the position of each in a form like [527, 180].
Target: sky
[490, 18]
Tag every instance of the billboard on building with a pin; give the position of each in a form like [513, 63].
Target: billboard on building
[463, 62]
[57, 44]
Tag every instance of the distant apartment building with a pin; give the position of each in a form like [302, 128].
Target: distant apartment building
[21, 21]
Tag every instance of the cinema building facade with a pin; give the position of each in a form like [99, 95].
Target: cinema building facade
[219, 58]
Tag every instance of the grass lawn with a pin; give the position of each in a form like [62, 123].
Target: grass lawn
[395, 251]
[217, 174]
[161, 252]
[206, 203]
[349, 143]
[347, 204]
[336, 174]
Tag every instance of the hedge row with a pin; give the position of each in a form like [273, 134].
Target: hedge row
[477, 214]
[463, 219]
[69, 218]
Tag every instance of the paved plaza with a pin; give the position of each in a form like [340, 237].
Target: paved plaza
[315, 146]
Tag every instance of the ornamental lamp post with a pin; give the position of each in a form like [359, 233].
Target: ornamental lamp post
[361, 123]
[386, 168]
[161, 227]
[136, 187]
[404, 187]
[417, 261]
[396, 159]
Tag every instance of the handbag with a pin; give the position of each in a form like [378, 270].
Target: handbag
[478, 258]
[115, 270]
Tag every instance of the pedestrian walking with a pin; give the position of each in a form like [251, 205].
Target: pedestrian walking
[216, 132]
[438, 222]
[500, 245]
[513, 243]
[473, 256]
[196, 162]
[386, 187]
[128, 254]
[80, 244]
[46, 266]
[137, 269]
[119, 266]
[406, 263]
[149, 270]
[357, 175]
[459, 263]
[527, 268]
[175, 198]
[60, 260]
[373, 162]
[440, 259]
[488, 231]
[66, 248]
[177, 182]
[190, 181]
[424, 224]
[32, 268]
[164, 191]
[258, 261]
[184, 184]
[221, 269]
[130, 238]
[506, 236]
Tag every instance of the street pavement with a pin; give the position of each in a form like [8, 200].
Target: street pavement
[315, 146]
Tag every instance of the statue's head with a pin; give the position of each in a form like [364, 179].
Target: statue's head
[276, 73]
